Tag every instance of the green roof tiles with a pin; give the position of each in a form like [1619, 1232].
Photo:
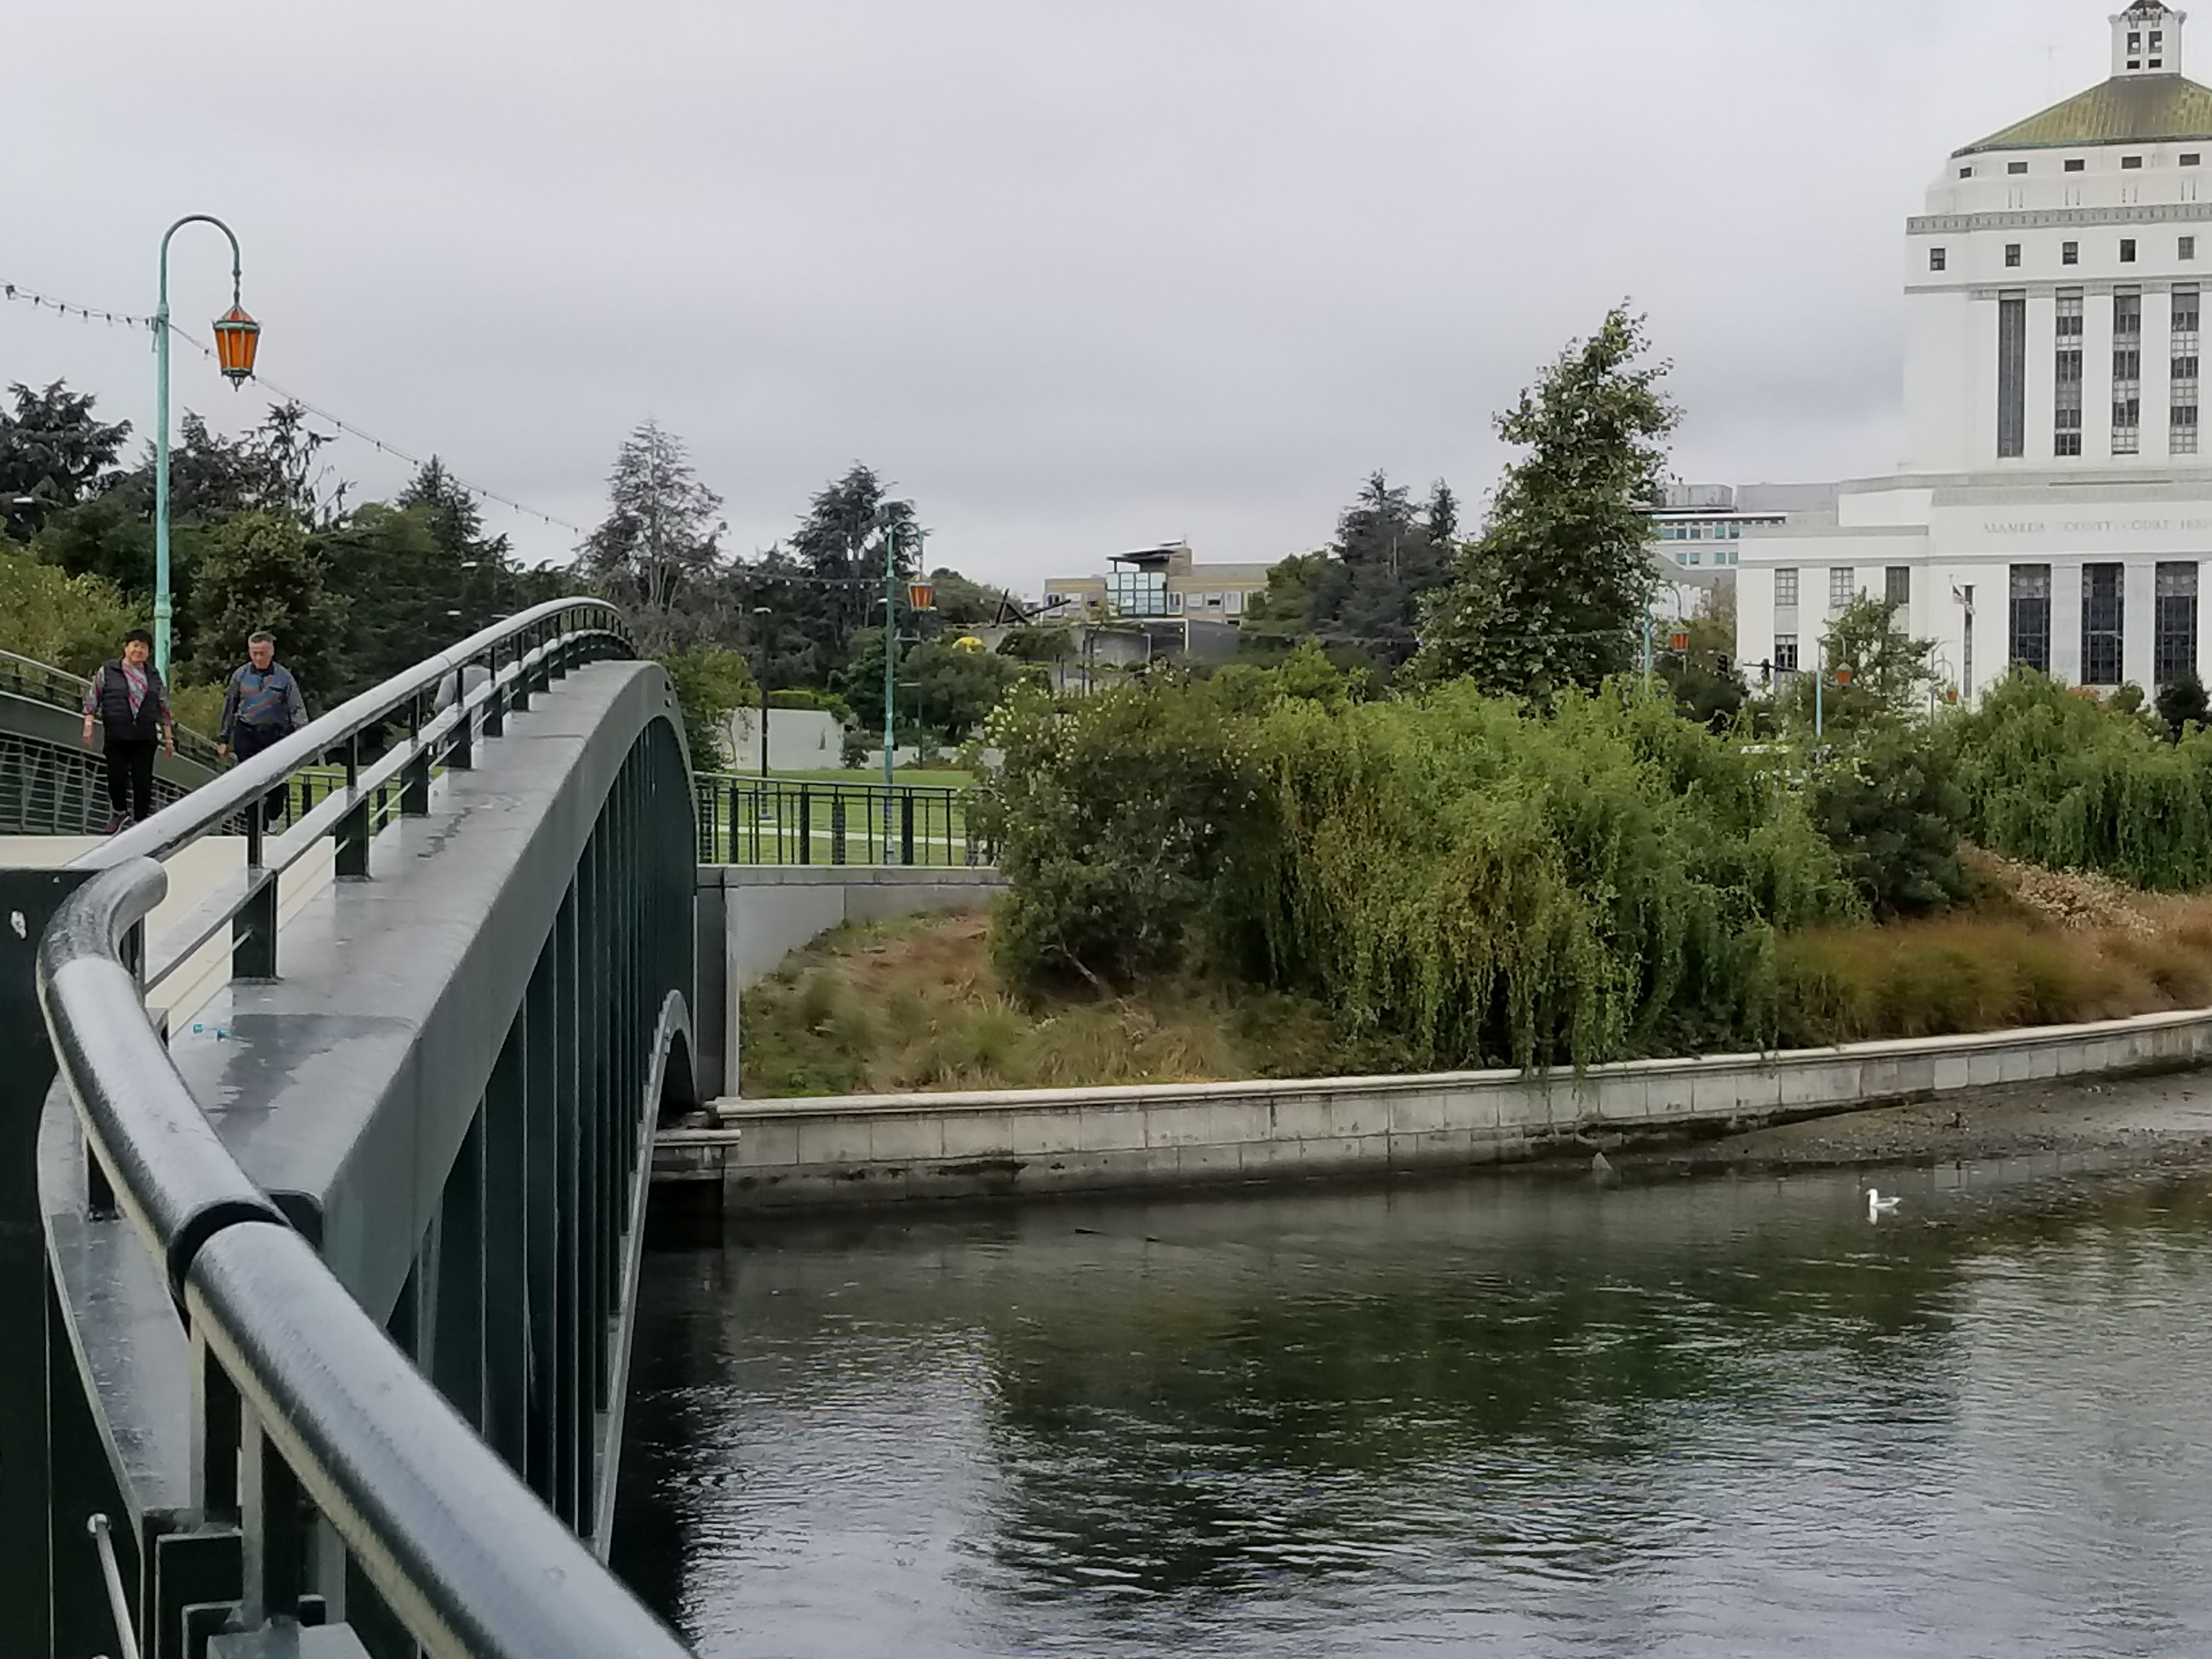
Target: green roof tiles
[2130, 109]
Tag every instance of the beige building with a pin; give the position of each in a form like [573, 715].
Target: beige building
[1159, 584]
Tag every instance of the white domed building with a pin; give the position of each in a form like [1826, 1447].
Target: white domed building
[2055, 506]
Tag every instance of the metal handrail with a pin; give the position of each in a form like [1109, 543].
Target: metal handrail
[462, 1551]
[527, 636]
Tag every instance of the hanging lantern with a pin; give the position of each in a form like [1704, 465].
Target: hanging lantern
[1843, 675]
[1679, 642]
[237, 337]
[922, 596]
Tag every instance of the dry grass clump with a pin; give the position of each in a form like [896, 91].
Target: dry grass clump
[2039, 947]
[917, 1006]
[2078, 899]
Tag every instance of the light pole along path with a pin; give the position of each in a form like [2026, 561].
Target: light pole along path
[237, 337]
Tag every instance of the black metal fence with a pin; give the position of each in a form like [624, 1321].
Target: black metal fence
[784, 820]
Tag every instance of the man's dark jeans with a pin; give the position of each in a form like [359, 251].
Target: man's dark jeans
[246, 742]
[131, 776]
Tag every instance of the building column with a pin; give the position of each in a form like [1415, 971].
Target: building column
[2066, 583]
[2157, 387]
[1982, 376]
[2042, 375]
[2096, 383]
[2139, 594]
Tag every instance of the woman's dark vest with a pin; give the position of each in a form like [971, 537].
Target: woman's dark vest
[115, 703]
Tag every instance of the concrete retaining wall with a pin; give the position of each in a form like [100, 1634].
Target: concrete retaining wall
[752, 916]
[877, 1149]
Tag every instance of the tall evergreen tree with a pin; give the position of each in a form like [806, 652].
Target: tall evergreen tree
[54, 452]
[1552, 593]
[657, 553]
[840, 549]
[1360, 597]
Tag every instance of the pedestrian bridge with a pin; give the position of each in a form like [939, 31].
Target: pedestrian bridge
[325, 1170]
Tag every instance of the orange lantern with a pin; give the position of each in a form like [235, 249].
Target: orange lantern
[1843, 675]
[922, 596]
[237, 337]
[1680, 642]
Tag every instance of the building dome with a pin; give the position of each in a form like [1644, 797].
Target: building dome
[2147, 101]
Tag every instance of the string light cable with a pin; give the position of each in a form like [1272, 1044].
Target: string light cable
[22, 295]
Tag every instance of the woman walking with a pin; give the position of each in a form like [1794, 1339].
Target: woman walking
[128, 701]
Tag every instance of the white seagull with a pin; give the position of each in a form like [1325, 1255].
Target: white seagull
[1877, 1205]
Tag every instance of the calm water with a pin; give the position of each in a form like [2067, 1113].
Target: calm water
[1710, 1417]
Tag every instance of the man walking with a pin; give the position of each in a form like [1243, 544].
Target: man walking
[261, 708]
[132, 705]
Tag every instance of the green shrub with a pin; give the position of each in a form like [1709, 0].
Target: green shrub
[1114, 819]
[2060, 779]
[74, 623]
[1460, 882]
[1892, 811]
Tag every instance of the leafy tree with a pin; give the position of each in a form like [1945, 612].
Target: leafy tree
[963, 603]
[54, 452]
[953, 688]
[1703, 678]
[711, 685]
[1551, 594]
[943, 689]
[400, 589]
[74, 622]
[1038, 645]
[1877, 673]
[656, 553]
[1113, 824]
[277, 467]
[261, 571]
[1048, 649]
[2182, 701]
[1282, 614]
[105, 537]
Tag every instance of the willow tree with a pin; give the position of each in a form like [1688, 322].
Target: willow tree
[1551, 594]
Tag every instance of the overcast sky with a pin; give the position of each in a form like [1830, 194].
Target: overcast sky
[1078, 275]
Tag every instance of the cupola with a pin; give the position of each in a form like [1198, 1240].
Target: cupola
[2147, 39]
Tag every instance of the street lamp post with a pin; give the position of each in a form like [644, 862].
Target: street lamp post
[762, 610]
[237, 336]
[890, 642]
